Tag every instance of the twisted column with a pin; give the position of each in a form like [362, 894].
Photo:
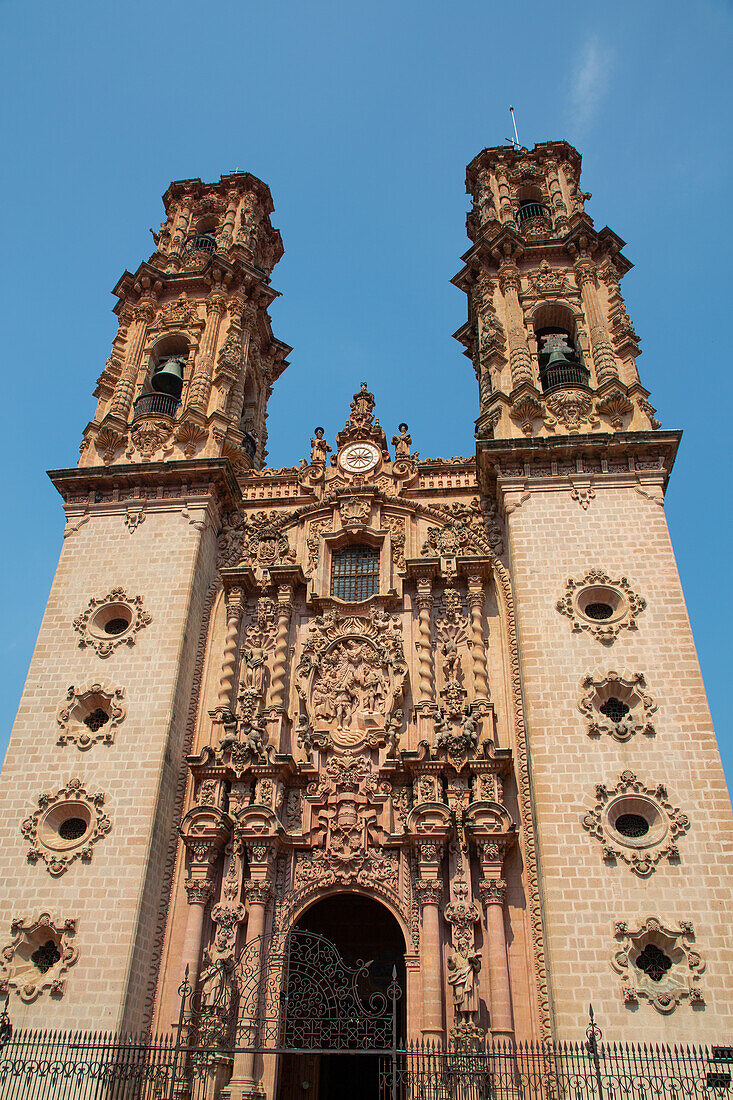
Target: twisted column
[121, 402]
[600, 341]
[520, 361]
[181, 225]
[227, 232]
[280, 656]
[476, 597]
[493, 894]
[429, 895]
[424, 644]
[200, 390]
[235, 607]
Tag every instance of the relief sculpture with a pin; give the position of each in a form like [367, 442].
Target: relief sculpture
[351, 678]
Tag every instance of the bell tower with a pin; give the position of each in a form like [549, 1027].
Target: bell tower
[627, 782]
[551, 342]
[92, 783]
[194, 360]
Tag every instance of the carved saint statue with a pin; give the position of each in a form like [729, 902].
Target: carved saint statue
[215, 984]
[255, 665]
[451, 661]
[319, 449]
[463, 968]
[402, 443]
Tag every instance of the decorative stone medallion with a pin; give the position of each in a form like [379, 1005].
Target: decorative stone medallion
[111, 621]
[38, 956]
[635, 823]
[65, 827]
[658, 962]
[617, 704]
[601, 606]
[90, 714]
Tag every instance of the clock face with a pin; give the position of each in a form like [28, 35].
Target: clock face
[358, 458]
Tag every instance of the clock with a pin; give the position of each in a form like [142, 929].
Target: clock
[359, 458]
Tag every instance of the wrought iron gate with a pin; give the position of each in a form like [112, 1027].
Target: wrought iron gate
[292, 993]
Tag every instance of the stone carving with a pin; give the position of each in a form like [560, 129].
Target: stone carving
[658, 962]
[525, 410]
[617, 704]
[549, 283]
[259, 641]
[396, 525]
[615, 405]
[630, 800]
[346, 836]
[402, 443]
[38, 956]
[355, 510]
[65, 827]
[313, 542]
[595, 590]
[147, 437]
[94, 623]
[463, 970]
[470, 529]
[570, 407]
[256, 541]
[351, 676]
[320, 449]
[90, 714]
[583, 496]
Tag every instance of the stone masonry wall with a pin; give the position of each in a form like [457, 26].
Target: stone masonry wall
[624, 532]
[167, 560]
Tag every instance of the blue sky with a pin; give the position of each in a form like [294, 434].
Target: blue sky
[361, 118]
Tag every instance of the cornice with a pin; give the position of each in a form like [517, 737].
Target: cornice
[188, 477]
[537, 457]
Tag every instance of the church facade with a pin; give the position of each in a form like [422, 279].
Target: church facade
[444, 716]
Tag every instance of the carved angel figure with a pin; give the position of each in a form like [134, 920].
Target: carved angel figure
[462, 977]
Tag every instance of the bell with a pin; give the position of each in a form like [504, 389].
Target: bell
[560, 358]
[168, 378]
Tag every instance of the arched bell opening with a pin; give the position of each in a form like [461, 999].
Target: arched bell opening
[558, 348]
[344, 992]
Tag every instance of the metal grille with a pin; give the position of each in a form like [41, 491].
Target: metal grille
[632, 825]
[599, 611]
[654, 962]
[614, 708]
[355, 573]
[96, 719]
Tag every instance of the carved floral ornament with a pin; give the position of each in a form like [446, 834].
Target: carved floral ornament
[617, 704]
[90, 714]
[65, 827]
[38, 956]
[601, 606]
[111, 621]
[636, 823]
[658, 962]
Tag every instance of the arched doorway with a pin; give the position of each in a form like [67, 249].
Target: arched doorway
[369, 942]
